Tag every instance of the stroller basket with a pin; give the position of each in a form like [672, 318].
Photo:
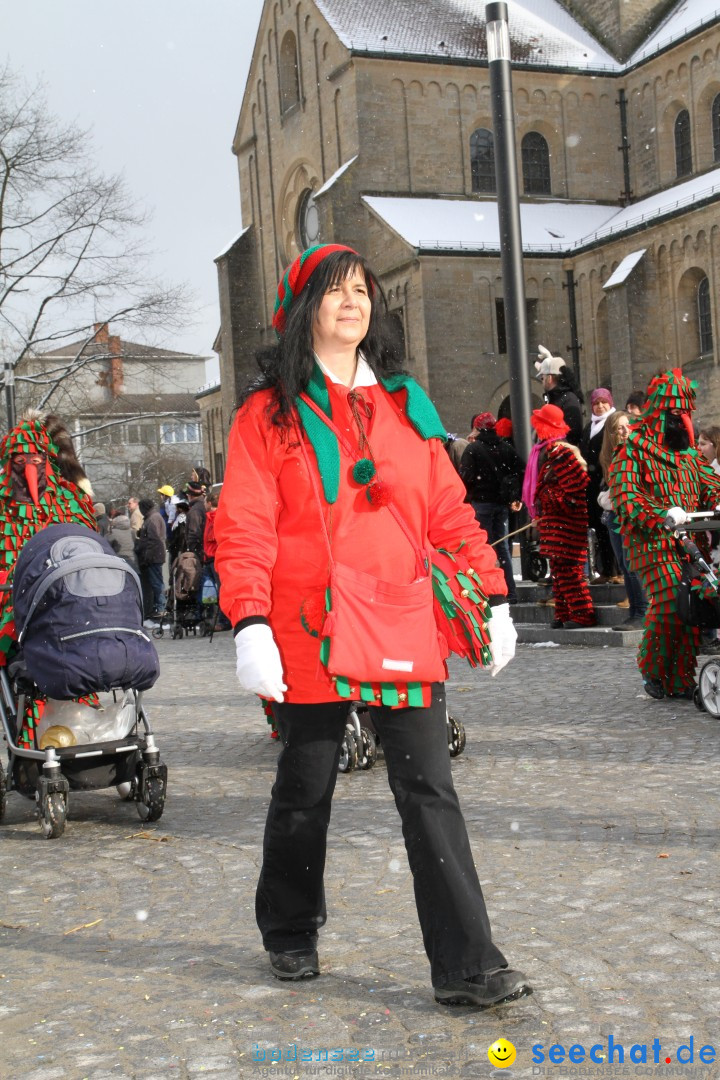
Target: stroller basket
[698, 603]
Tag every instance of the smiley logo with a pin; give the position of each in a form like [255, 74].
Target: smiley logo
[501, 1053]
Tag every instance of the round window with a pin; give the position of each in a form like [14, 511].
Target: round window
[308, 220]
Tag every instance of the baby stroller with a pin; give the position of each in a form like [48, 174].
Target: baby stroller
[360, 746]
[186, 616]
[698, 603]
[82, 663]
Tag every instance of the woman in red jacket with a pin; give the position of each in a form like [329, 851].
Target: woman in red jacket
[337, 457]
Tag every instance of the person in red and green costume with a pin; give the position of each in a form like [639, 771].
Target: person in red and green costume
[35, 491]
[656, 478]
[336, 432]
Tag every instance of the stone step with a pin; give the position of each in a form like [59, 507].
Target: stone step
[530, 592]
[596, 636]
[543, 614]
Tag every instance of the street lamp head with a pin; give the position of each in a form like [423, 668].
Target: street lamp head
[496, 31]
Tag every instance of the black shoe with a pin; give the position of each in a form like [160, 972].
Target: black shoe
[654, 688]
[633, 624]
[294, 965]
[556, 624]
[687, 693]
[572, 625]
[494, 987]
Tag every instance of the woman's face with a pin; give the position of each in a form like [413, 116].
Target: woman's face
[623, 429]
[601, 407]
[343, 316]
[706, 448]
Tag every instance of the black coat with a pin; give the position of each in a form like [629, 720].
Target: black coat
[571, 410]
[492, 470]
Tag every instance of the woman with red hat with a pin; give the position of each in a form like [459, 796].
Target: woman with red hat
[337, 463]
[556, 479]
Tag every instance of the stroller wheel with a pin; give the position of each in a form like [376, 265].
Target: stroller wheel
[368, 753]
[126, 790]
[348, 752]
[53, 815]
[177, 631]
[158, 631]
[709, 687]
[537, 567]
[456, 736]
[153, 803]
[3, 793]
[697, 700]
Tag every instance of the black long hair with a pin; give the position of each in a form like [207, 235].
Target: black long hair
[566, 381]
[287, 366]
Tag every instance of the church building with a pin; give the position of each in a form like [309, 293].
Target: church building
[370, 124]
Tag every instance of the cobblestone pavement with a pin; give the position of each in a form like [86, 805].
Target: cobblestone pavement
[130, 950]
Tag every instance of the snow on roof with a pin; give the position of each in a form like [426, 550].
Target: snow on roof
[232, 243]
[626, 267]
[541, 31]
[437, 224]
[335, 176]
[688, 15]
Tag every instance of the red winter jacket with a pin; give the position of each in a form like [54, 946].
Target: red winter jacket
[271, 555]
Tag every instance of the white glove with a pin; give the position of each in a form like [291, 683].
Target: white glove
[259, 667]
[503, 636]
[675, 516]
[604, 500]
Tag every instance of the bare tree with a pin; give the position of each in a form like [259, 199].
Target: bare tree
[70, 241]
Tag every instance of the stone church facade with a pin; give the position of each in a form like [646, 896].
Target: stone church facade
[371, 125]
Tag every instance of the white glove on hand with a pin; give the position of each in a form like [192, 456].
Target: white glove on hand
[259, 667]
[674, 517]
[503, 636]
[605, 501]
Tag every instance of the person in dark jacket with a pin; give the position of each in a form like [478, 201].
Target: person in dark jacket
[561, 389]
[102, 519]
[601, 404]
[150, 551]
[195, 525]
[492, 473]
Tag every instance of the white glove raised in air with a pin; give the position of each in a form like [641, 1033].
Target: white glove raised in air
[259, 667]
[675, 516]
[503, 636]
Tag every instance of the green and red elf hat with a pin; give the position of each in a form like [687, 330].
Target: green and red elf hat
[296, 277]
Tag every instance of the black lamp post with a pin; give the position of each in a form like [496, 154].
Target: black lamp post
[503, 114]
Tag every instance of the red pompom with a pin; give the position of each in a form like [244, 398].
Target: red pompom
[503, 428]
[312, 613]
[379, 494]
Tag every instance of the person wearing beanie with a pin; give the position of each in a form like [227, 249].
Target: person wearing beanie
[151, 552]
[556, 480]
[492, 473]
[655, 479]
[561, 389]
[337, 470]
[602, 407]
[103, 521]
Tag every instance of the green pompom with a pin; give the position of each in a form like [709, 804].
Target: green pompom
[363, 471]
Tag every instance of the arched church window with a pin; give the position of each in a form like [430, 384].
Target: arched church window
[535, 164]
[482, 160]
[308, 220]
[704, 317]
[716, 127]
[289, 77]
[683, 149]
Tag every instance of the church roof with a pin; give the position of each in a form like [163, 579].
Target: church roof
[542, 32]
[469, 225]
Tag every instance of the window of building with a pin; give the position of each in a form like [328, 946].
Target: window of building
[180, 431]
[535, 164]
[683, 149]
[142, 433]
[704, 317]
[395, 328]
[482, 160]
[308, 220]
[716, 128]
[289, 77]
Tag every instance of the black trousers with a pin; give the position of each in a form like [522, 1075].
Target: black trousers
[290, 900]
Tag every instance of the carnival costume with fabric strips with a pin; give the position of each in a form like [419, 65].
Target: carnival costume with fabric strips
[32, 497]
[656, 469]
[371, 460]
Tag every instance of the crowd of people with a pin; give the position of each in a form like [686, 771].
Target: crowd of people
[621, 481]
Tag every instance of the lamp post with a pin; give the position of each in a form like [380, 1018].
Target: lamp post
[503, 114]
[10, 394]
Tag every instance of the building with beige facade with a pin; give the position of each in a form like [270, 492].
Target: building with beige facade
[370, 124]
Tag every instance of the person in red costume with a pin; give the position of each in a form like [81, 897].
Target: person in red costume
[326, 453]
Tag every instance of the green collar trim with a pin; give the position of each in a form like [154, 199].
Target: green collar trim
[419, 410]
